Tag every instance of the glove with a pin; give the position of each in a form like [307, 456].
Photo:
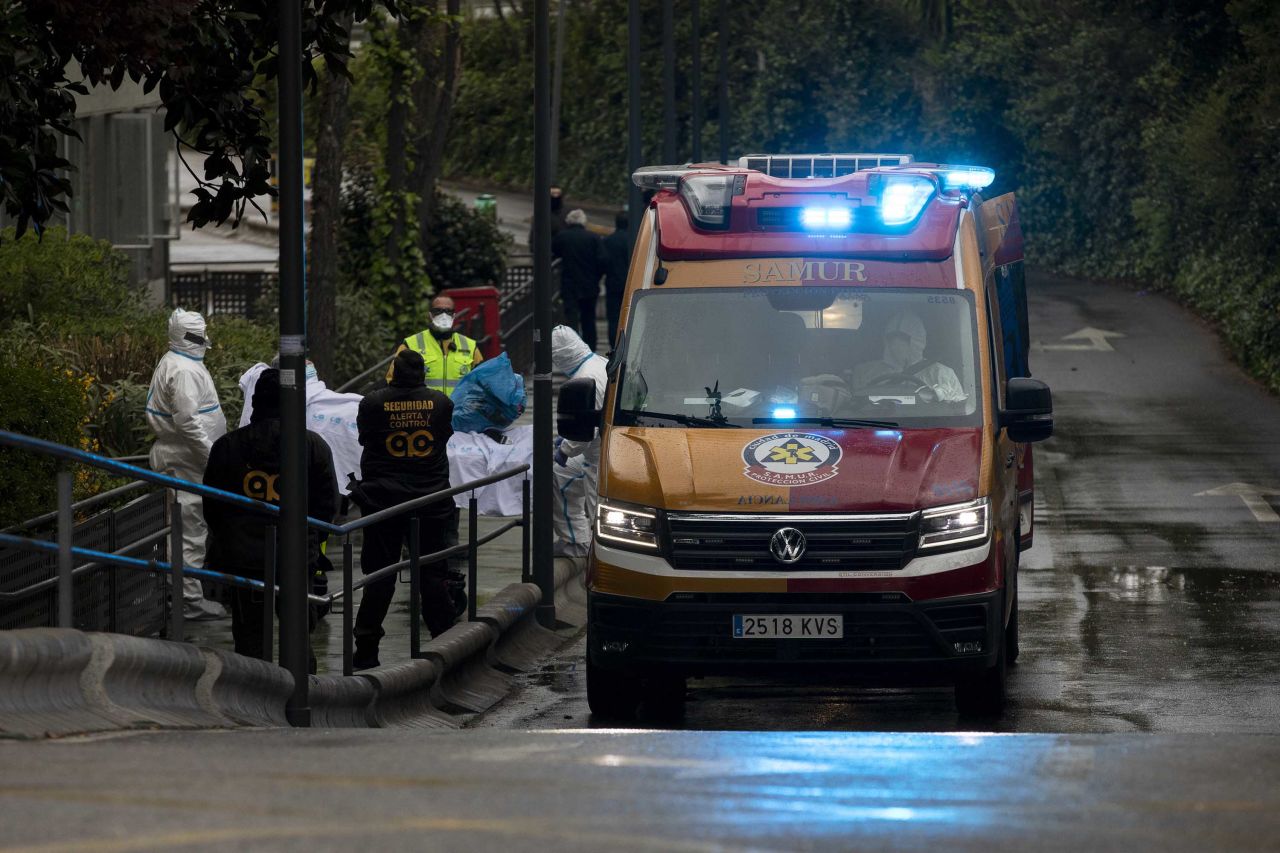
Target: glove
[560, 458]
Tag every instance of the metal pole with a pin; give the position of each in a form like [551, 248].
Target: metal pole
[668, 82]
[269, 595]
[722, 82]
[348, 608]
[415, 591]
[66, 522]
[695, 80]
[177, 606]
[544, 566]
[556, 81]
[294, 642]
[525, 575]
[635, 198]
[472, 557]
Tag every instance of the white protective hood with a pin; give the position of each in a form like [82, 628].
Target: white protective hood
[184, 328]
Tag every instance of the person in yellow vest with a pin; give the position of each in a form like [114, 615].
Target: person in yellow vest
[448, 355]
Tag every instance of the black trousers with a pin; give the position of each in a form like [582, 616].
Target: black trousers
[586, 320]
[383, 543]
[247, 608]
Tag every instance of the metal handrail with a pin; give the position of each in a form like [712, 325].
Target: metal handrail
[66, 550]
[50, 583]
[77, 506]
[360, 377]
[118, 559]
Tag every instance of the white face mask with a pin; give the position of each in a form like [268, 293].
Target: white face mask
[442, 322]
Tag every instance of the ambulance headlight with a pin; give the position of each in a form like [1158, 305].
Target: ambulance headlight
[709, 198]
[627, 526]
[967, 178]
[903, 198]
[955, 524]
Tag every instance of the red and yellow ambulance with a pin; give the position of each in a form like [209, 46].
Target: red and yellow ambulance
[814, 443]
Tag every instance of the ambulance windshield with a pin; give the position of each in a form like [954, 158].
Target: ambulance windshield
[737, 356]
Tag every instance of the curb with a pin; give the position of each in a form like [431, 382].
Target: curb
[466, 681]
[59, 681]
[403, 697]
[522, 642]
[338, 702]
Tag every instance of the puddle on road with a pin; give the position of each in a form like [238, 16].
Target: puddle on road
[563, 677]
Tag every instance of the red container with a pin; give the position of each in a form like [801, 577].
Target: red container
[478, 316]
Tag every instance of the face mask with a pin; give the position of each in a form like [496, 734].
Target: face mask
[442, 322]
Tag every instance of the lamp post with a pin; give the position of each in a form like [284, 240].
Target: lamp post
[294, 644]
[543, 559]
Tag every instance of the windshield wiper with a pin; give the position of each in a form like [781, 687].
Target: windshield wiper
[687, 420]
[829, 422]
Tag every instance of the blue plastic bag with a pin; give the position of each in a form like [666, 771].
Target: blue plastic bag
[490, 396]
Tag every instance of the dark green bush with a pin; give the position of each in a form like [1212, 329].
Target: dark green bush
[57, 277]
[46, 402]
[465, 248]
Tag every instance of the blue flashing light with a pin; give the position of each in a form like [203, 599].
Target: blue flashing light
[784, 413]
[839, 217]
[903, 200]
[813, 217]
[968, 178]
[826, 218]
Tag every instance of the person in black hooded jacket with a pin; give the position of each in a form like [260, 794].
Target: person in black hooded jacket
[246, 462]
[404, 430]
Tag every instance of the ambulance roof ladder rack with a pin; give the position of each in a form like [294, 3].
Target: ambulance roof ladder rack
[819, 165]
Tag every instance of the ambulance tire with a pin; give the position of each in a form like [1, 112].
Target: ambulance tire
[611, 695]
[1011, 630]
[664, 697]
[982, 694]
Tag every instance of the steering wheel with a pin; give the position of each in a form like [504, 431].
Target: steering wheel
[922, 389]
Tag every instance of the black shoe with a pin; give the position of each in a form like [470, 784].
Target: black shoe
[365, 658]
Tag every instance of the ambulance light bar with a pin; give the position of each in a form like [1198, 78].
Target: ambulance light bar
[819, 165]
[966, 177]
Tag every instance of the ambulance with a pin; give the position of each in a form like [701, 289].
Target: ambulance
[815, 438]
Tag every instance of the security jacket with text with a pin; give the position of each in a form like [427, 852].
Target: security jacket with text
[404, 430]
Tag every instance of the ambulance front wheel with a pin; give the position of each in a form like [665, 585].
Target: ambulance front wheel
[982, 693]
[611, 694]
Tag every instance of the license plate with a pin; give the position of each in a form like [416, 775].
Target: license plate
[820, 626]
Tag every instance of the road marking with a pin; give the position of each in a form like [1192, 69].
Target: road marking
[1095, 341]
[1253, 497]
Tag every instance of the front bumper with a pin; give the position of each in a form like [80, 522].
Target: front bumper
[886, 637]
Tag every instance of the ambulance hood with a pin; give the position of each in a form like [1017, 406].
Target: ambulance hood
[797, 470]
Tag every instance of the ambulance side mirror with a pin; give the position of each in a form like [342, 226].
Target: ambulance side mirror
[1028, 412]
[576, 413]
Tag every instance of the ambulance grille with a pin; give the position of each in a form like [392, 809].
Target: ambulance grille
[819, 165]
[725, 543]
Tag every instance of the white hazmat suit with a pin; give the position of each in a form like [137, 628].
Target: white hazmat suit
[183, 411]
[908, 359]
[577, 481]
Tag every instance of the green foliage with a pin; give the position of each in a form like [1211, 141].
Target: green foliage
[366, 336]
[56, 277]
[1139, 137]
[238, 344]
[36, 399]
[211, 62]
[464, 247]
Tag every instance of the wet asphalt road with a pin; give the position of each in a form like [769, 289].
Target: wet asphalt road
[1146, 605]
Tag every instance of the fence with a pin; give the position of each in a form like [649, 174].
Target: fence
[64, 551]
[211, 292]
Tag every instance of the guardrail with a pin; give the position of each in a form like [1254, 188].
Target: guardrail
[174, 567]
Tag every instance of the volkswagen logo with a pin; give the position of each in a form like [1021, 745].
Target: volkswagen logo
[787, 545]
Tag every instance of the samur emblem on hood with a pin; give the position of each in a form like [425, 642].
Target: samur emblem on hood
[791, 459]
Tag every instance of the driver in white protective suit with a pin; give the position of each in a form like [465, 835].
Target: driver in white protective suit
[904, 343]
[183, 411]
[577, 467]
